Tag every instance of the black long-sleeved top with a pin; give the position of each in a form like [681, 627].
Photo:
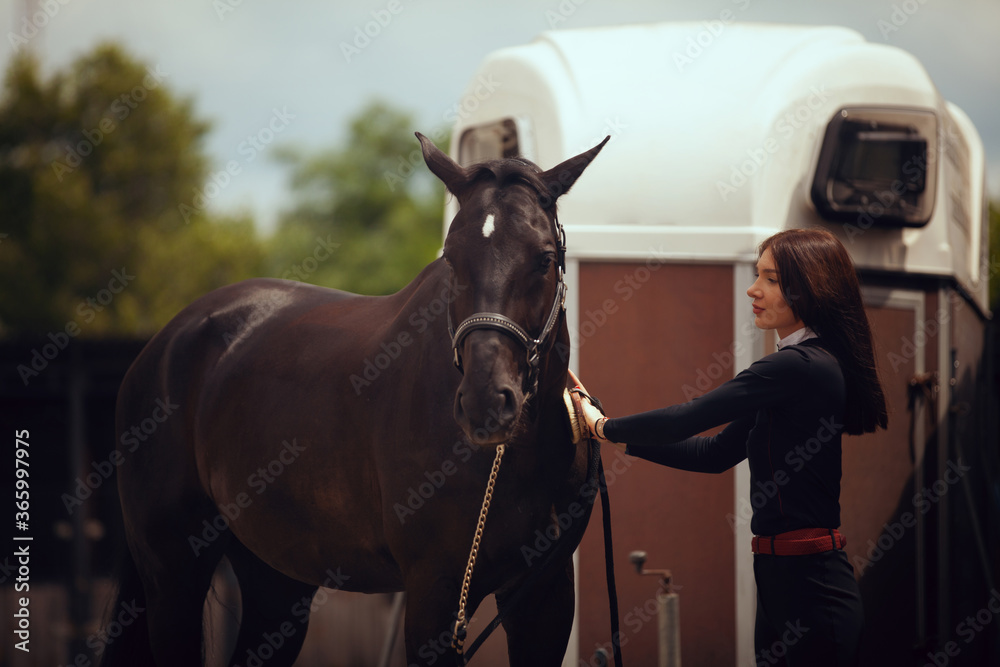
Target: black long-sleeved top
[785, 413]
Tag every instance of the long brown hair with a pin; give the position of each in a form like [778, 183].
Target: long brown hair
[820, 285]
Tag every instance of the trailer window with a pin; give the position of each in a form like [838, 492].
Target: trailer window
[877, 166]
[490, 141]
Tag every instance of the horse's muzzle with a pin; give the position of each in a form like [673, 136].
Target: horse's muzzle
[489, 400]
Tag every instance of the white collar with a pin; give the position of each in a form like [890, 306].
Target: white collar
[796, 337]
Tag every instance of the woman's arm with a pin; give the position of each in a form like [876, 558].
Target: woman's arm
[712, 454]
[668, 435]
[771, 381]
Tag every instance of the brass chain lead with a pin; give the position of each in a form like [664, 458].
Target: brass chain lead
[458, 634]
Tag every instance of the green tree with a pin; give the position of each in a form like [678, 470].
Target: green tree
[94, 164]
[372, 200]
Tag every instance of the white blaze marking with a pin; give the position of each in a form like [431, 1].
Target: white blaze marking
[488, 227]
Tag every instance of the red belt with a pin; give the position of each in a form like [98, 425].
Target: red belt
[799, 542]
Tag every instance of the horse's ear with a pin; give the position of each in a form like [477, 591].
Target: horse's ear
[451, 174]
[560, 178]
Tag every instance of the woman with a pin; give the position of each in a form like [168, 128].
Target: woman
[786, 414]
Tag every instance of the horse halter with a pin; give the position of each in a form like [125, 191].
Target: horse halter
[504, 324]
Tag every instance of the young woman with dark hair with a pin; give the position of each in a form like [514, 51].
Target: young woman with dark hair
[821, 382]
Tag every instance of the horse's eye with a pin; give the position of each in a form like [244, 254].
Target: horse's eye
[545, 263]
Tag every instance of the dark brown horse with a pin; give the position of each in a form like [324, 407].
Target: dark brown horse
[319, 438]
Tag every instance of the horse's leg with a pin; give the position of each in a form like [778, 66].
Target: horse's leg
[131, 648]
[275, 611]
[431, 605]
[177, 568]
[538, 627]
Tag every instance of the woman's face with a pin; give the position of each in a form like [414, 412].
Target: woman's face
[769, 307]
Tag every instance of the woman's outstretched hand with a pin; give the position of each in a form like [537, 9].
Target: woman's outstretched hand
[591, 414]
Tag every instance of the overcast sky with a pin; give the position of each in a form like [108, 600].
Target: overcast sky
[241, 60]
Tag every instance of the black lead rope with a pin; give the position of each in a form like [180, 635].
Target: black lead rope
[594, 465]
[609, 566]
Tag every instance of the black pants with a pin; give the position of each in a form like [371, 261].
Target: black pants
[809, 610]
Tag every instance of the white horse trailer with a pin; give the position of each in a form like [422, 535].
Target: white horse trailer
[723, 134]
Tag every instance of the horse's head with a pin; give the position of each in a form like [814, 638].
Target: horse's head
[506, 251]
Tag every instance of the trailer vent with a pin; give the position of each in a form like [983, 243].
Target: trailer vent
[490, 141]
[878, 167]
